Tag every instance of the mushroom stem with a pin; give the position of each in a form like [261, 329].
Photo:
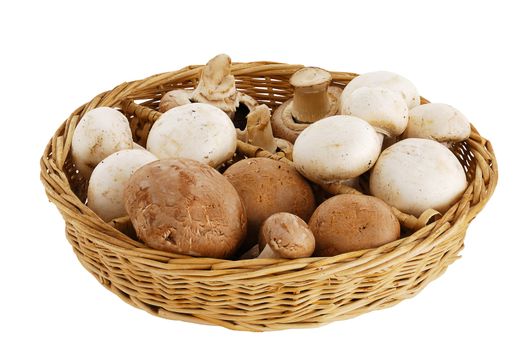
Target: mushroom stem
[251, 253]
[268, 253]
[381, 136]
[259, 130]
[311, 99]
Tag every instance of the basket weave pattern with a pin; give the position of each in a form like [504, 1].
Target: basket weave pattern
[257, 294]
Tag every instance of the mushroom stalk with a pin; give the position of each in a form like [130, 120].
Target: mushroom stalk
[268, 253]
[311, 99]
[259, 131]
[251, 253]
[381, 136]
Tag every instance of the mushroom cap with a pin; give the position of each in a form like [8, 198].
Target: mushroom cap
[437, 121]
[101, 132]
[414, 175]
[266, 187]
[183, 206]
[109, 178]
[287, 235]
[174, 98]
[382, 108]
[196, 131]
[349, 222]
[388, 80]
[336, 148]
[283, 124]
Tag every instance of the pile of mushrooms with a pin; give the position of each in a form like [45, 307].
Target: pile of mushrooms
[346, 164]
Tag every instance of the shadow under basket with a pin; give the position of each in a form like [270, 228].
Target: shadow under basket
[257, 294]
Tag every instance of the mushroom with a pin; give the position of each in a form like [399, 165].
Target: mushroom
[174, 98]
[101, 132]
[197, 131]
[350, 222]
[439, 122]
[335, 149]
[183, 206]
[285, 235]
[109, 178]
[313, 100]
[414, 175]
[388, 80]
[382, 108]
[259, 132]
[267, 187]
[217, 87]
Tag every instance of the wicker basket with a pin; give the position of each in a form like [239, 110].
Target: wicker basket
[258, 294]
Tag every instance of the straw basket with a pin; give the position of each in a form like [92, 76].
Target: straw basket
[258, 294]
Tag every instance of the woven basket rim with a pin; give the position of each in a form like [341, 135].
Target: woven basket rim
[117, 241]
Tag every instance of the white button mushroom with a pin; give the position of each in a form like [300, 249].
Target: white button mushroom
[336, 148]
[109, 178]
[388, 80]
[174, 98]
[196, 131]
[101, 132]
[382, 108]
[414, 175]
[439, 122]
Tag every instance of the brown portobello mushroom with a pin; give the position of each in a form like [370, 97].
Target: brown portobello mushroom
[350, 222]
[267, 187]
[183, 206]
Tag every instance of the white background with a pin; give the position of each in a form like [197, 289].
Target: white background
[57, 56]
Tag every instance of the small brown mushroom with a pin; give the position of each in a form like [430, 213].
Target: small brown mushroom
[285, 235]
[259, 132]
[183, 206]
[267, 187]
[349, 222]
[313, 100]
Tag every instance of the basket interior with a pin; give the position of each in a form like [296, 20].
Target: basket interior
[270, 90]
